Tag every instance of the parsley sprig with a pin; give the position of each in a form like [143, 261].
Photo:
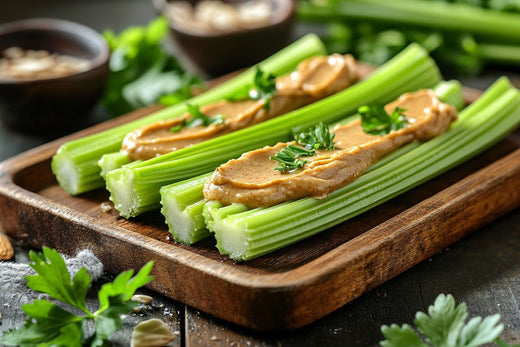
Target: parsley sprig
[51, 325]
[376, 121]
[445, 326]
[263, 88]
[311, 139]
[289, 157]
[316, 137]
[197, 119]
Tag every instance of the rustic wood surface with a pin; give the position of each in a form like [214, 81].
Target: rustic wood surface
[483, 269]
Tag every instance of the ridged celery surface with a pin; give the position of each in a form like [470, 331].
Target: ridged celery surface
[498, 26]
[112, 161]
[183, 202]
[135, 189]
[245, 234]
[76, 162]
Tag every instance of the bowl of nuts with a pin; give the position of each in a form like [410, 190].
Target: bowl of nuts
[52, 74]
[223, 36]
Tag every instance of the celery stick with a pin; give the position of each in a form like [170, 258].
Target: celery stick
[76, 162]
[135, 189]
[498, 26]
[249, 234]
[498, 53]
[182, 202]
[112, 161]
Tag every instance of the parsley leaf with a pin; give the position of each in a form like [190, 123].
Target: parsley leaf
[315, 137]
[198, 119]
[141, 71]
[289, 157]
[444, 326]
[376, 121]
[397, 336]
[51, 325]
[311, 139]
[263, 88]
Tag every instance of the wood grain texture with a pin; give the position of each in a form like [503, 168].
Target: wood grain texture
[289, 288]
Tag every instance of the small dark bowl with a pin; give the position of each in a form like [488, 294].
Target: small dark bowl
[219, 53]
[53, 105]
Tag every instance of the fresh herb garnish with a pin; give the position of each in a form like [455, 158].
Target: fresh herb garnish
[178, 127]
[316, 137]
[444, 325]
[263, 88]
[52, 325]
[289, 157]
[376, 121]
[197, 119]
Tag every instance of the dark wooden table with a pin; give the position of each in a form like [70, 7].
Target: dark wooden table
[482, 270]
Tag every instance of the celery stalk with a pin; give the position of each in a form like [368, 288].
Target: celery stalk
[498, 26]
[182, 202]
[112, 161]
[76, 162]
[135, 189]
[182, 205]
[499, 53]
[252, 233]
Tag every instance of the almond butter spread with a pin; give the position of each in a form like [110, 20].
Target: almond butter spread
[252, 180]
[314, 79]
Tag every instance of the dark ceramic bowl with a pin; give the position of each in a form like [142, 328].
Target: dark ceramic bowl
[219, 53]
[54, 105]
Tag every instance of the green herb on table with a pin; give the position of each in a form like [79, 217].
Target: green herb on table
[142, 72]
[376, 121]
[51, 325]
[263, 88]
[316, 137]
[445, 326]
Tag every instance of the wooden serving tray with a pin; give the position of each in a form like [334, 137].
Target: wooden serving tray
[284, 290]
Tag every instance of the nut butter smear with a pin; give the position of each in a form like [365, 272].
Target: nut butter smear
[252, 180]
[314, 79]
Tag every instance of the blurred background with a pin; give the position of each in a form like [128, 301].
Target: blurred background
[474, 52]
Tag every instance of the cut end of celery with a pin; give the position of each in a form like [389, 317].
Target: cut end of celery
[232, 240]
[186, 224]
[122, 195]
[112, 161]
[66, 173]
[182, 207]
[74, 179]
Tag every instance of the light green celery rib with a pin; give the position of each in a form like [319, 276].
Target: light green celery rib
[497, 53]
[112, 161]
[251, 233]
[182, 202]
[486, 23]
[76, 162]
[135, 189]
[182, 205]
